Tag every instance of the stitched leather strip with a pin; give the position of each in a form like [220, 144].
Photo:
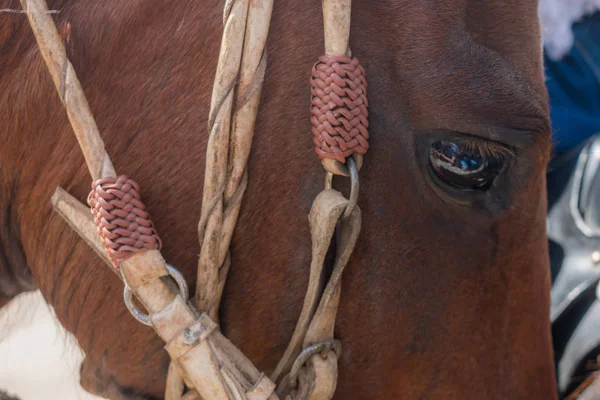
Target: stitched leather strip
[339, 108]
[122, 220]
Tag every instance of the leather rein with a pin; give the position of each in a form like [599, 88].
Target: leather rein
[205, 364]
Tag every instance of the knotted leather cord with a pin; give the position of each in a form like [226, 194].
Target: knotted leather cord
[122, 220]
[317, 379]
[210, 362]
[339, 108]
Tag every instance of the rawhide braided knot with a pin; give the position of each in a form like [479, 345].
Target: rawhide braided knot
[339, 108]
[121, 217]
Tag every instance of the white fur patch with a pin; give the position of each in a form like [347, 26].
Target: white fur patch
[39, 360]
[557, 18]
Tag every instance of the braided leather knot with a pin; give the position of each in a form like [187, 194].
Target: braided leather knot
[121, 217]
[339, 108]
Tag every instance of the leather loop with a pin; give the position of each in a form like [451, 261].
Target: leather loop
[317, 380]
[327, 209]
[325, 373]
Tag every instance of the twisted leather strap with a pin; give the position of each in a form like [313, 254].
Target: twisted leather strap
[122, 220]
[339, 108]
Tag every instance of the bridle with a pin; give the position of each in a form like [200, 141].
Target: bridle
[202, 359]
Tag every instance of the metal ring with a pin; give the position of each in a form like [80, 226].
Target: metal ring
[145, 318]
[355, 185]
[337, 168]
[308, 352]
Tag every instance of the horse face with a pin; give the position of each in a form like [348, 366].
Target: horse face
[448, 290]
[447, 293]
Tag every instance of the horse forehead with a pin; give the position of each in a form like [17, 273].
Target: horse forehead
[464, 60]
[420, 29]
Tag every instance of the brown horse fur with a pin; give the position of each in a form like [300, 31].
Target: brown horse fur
[440, 300]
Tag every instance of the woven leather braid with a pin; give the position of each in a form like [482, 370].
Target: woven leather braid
[121, 217]
[339, 108]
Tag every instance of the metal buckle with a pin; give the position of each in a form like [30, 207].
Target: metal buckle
[145, 318]
[355, 186]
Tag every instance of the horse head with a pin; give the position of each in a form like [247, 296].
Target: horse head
[447, 292]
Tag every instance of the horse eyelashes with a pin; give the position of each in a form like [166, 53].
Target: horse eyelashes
[467, 164]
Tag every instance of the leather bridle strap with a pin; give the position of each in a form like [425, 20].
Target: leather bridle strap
[310, 361]
[207, 360]
[308, 369]
[201, 356]
[234, 106]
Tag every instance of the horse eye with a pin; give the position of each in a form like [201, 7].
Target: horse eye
[465, 166]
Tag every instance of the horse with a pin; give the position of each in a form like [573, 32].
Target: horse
[447, 292]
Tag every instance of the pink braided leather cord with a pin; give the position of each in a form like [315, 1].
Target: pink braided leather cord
[121, 217]
[339, 108]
